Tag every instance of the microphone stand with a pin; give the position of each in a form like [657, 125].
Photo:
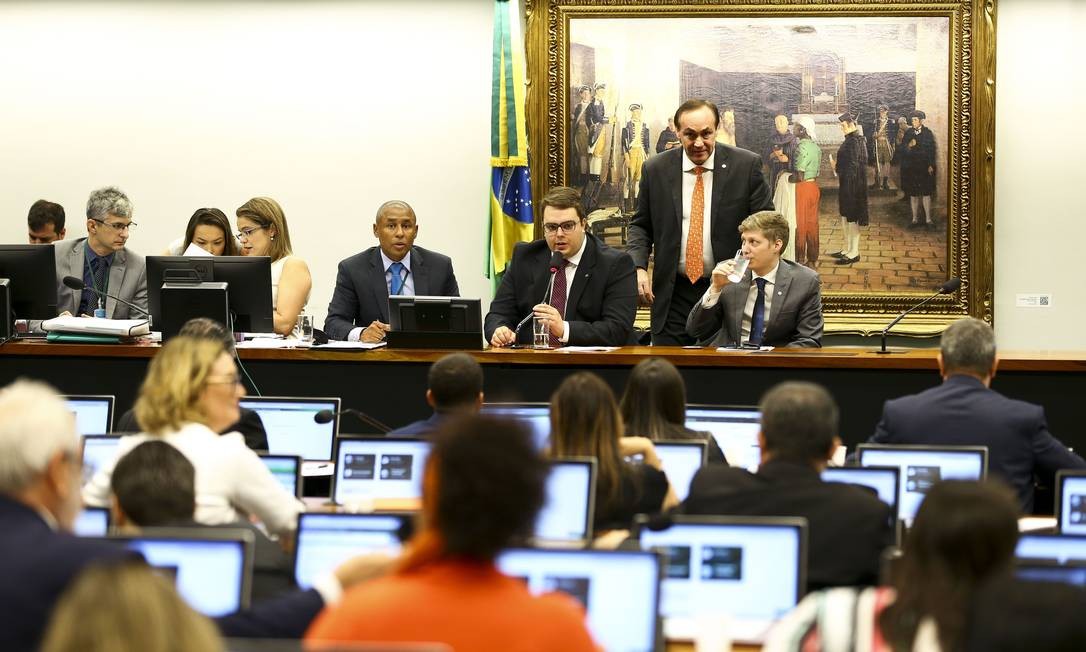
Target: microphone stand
[886, 330]
[546, 298]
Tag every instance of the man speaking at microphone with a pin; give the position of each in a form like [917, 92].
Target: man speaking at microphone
[589, 300]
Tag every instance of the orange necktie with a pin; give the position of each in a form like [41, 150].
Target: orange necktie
[695, 267]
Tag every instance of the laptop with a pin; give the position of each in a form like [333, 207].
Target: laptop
[922, 467]
[92, 522]
[1072, 572]
[754, 569]
[374, 468]
[1054, 547]
[98, 451]
[93, 414]
[566, 517]
[619, 589]
[537, 416]
[290, 424]
[735, 429]
[1071, 501]
[325, 540]
[287, 469]
[211, 567]
[681, 459]
[884, 480]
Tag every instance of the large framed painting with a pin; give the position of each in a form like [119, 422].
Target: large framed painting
[605, 77]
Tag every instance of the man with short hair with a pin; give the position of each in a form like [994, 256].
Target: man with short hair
[103, 262]
[592, 296]
[45, 222]
[965, 411]
[848, 526]
[454, 388]
[776, 303]
[358, 310]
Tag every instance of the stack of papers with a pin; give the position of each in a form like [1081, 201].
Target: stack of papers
[97, 326]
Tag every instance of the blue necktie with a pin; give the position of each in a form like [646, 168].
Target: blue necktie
[396, 285]
[757, 320]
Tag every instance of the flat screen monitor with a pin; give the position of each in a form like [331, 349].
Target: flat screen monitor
[435, 322]
[32, 270]
[1071, 501]
[98, 451]
[1054, 547]
[92, 522]
[1071, 572]
[924, 466]
[566, 516]
[93, 414]
[375, 468]
[287, 470]
[537, 416]
[248, 290]
[291, 425]
[681, 459]
[885, 481]
[751, 568]
[619, 589]
[325, 540]
[735, 429]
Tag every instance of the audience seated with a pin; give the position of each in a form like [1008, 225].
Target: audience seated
[585, 422]
[262, 231]
[963, 410]
[654, 406]
[45, 222]
[454, 387]
[849, 526]
[208, 229]
[482, 487]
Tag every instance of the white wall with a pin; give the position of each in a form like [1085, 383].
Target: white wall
[333, 107]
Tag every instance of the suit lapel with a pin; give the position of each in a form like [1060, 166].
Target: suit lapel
[421, 274]
[76, 261]
[377, 285]
[116, 281]
[675, 183]
[780, 294]
[581, 276]
[720, 176]
[740, 291]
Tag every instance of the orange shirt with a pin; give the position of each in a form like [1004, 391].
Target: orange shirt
[469, 606]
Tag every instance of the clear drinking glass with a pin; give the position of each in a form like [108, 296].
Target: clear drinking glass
[303, 328]
[540, 334]
[740, 269]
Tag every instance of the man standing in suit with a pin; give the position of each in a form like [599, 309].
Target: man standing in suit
[103, 262]
[358, 310]
[690, 218]
[777, 302]
[593, 296]
[965, 411]
[849, 526]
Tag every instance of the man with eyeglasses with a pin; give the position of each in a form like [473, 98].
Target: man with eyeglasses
[103, 261]
[592, 297]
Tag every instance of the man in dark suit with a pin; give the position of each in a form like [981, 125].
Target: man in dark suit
[676, 194]
[454, 387]
[358, 310]
[776, 303]
[849, 526]
[963, 410]
[599, 306]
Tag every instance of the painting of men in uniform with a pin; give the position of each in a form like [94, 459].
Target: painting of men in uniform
[597, 143]
[580, 129]
[918, 170]
[808, 164]
[881, 133]
[635, 148]
[851, 170]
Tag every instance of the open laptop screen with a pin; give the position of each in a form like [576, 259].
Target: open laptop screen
[883, 480]
[92, 522]
[681, 460]
[924, 466]
[291, 428]
[537, 416]
[369, 468]
[1055, 547]
[735, 429]
[325, 540]
[98, 450]
[93, 414]
[287, 470]
[1071, 501]
[571, 494]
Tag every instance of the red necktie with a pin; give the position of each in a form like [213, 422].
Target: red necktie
[558, 297]
[695, 266]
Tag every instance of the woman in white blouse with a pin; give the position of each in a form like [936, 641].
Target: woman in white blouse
[262, 231]
[190, 394]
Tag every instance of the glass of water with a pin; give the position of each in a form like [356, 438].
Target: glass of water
[740, 269]
[541, 334]
[303, 328]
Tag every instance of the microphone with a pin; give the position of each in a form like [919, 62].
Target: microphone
[949, 287]
[78, 284]
[326, 416]
[555, 265]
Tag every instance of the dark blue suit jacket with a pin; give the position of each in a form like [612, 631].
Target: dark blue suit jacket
[361, 294]
[421, 428]
[962, 411]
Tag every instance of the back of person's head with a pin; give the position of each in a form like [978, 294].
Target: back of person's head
[43, 213]
[968, 346]
[585, 421]
[170, 394]
[267, 212]
[127, 607]
[455, 382]
[208, 329]
[964, 533]
[799, 422]
[1008, 615]
[654, 403]
[216, 218]
[154, 484]
[484, 486]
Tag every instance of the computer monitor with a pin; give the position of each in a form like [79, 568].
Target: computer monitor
[735, 429]
[211, 567]
[287, 469]
[92, 522]
[619, 589]
[537, 416]
[884, 480]
[435, 322]
[291, 427]
[174, 269]
[1072, 572]
[751, 568]
[325, 540]
[567, 514]
[1054, 547]
[248, 281]
[98, 451]
[924, 466]
[1071, 501]
[93, 414]
[374, 468]
[681, 459]
[32, 271]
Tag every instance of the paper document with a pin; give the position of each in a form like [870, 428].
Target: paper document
[274, 343]
[97, 326]
[588, 349]
[356, 346]
[732, 349]
[196, 250]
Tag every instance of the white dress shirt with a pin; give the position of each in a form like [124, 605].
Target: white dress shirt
[571, 270]
[408, 289]
[711, 298]
[689, 180]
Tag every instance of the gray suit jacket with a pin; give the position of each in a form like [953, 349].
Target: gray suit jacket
[127, 279]
[795, 314]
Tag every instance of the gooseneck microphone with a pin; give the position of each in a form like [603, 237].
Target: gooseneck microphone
[78, 284]
[555, 265]
[949, 287]
[326, 416]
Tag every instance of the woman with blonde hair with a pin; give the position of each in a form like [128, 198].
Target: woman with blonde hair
[262, 231]
[585, 422]
[190, 394]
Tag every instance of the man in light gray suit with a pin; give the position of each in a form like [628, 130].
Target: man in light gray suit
[775, 303]
[103, 262]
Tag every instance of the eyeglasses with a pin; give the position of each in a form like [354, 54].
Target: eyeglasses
[117, 226]
[234, 380]
[245, 234]
[567, 227]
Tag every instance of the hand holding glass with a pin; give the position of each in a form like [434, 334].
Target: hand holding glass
[740, 268]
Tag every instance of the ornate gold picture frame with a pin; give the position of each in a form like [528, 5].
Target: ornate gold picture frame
[809, 62]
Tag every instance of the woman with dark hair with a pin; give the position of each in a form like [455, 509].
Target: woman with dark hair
[654, 406]
[585, 422]
[208, 229]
